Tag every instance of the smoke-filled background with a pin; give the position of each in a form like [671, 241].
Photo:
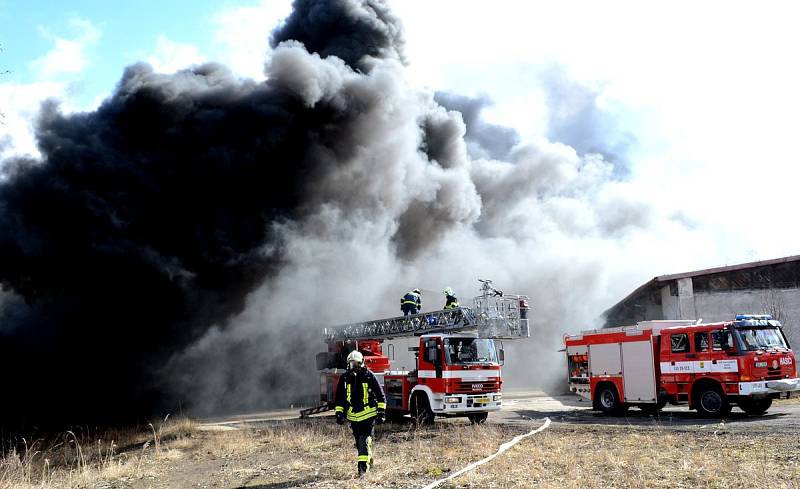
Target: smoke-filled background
[180, 246]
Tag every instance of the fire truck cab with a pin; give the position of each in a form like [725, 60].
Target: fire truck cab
[457, 375]
[745, 362]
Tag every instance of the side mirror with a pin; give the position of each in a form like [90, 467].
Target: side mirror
[501, 355]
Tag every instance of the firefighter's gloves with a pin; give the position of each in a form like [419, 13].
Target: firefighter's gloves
[381, 418]
[339, 418]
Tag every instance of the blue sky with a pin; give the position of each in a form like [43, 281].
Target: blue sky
[128, 31]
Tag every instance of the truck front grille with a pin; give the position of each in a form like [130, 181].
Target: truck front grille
[477, 387]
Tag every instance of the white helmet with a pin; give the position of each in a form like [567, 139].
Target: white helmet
[449, 291]
[416, 291]
[355, 356]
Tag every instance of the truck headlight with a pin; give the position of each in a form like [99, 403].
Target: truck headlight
[452, 400]
[497, 397]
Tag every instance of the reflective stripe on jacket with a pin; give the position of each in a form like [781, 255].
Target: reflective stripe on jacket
[451, 302]
[359, 395]
[411, 299]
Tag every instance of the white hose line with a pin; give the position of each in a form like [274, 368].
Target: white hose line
[505, 446]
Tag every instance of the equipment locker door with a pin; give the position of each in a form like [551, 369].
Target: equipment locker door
[604, 359]
[638, 371]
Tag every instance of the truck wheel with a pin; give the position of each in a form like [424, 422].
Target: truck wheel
[606, 400]
[422, 412]
[478, 418]
[755, 407]
[710, 401]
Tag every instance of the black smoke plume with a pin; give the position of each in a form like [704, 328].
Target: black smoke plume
[149, 220]
[347, 29]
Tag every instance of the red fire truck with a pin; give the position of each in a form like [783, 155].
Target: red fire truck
[457, 358]
[746, 362]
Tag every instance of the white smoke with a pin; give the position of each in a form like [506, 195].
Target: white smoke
[399, 203]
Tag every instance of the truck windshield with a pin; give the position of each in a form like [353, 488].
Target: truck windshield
[761, 338]
[461, 351]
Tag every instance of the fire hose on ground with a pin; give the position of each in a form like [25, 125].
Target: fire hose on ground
[505, 446]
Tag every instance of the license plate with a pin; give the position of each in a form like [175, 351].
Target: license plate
[482, 400]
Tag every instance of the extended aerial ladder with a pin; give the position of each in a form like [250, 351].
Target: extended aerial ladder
[494, 315]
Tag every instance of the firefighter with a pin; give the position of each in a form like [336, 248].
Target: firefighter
[450, 302]
[360, 400]
[411, 303]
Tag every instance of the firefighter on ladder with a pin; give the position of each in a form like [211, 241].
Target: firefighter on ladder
[411, 303]
[450, 302]
[360, 400]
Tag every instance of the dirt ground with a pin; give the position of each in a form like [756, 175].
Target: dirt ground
[580, 449]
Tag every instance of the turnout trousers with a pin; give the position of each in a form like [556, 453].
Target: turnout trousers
[363, 432]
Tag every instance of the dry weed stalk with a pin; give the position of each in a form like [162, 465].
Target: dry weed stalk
[64, 463]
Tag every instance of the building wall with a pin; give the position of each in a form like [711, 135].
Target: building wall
[670, 307]
[782, 303]
[686, 304]
[680, 306]
[772, 288]
[716, 306]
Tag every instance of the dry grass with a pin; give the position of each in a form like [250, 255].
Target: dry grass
[608, 457]
[562, 457]
[320, 454]
[72, 461]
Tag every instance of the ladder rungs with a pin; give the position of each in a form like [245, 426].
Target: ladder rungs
[415, 324]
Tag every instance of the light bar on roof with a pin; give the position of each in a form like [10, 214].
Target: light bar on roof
[744, 317]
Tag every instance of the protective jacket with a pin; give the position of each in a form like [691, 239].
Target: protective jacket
[451, 302]
[411, 299]
[359, 395]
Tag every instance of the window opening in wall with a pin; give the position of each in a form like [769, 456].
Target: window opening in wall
[673, 289]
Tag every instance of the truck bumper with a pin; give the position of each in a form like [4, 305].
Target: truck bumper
[471, 403]
[769, 387]
[583, 390]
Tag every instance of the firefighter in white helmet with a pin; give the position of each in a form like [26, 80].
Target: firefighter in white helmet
[451, 301]
[360, 400]
[411, 303]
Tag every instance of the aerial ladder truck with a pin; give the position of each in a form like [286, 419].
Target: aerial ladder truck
[458, 357]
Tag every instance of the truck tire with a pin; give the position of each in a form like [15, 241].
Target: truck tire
[754, 407]
[478, 418]
[710, 401]
[606, 400]
[421, 410]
